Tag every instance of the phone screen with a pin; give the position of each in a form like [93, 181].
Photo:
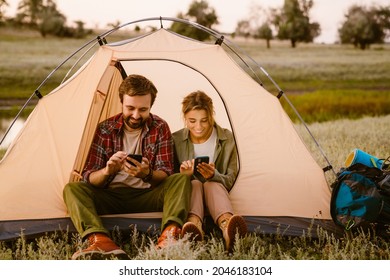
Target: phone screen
[197, 161]
[136, 157]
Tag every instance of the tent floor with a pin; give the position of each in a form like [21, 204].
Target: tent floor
[289, 226]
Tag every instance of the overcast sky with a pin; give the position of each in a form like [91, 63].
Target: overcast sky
[98, 13]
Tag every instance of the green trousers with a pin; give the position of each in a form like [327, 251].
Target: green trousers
[86, 203]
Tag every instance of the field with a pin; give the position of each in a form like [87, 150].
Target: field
[343, 94]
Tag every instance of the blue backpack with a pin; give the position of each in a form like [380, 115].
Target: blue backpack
[360, 197]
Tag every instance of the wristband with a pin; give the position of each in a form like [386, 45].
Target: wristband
[148, 177]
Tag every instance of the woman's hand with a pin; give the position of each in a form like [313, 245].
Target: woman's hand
[186, 167]
[207, 170]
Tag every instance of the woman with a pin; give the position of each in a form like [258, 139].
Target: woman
[203, 137]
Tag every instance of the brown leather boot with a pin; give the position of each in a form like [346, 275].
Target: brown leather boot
[170, 234]
[229, 227]
[100, 247]
[193, 230]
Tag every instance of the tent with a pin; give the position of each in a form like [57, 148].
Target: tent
[52, 146]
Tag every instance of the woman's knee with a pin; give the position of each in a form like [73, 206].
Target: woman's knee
[197, 187]
[214, 187]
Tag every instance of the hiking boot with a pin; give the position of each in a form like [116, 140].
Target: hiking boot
[170, 234]
[194, 231]
[229, 227]
[100, 247]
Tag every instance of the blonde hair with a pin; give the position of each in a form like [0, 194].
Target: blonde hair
[199, 100]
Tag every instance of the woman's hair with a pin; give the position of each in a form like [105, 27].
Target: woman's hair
[137, 85]
[199, 100]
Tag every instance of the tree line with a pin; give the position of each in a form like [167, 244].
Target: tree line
[362, 26]
[43, 16]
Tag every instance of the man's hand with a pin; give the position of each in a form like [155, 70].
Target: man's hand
[139, 170]
[115, 163]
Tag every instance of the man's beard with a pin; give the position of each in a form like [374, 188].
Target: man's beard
[135, 125]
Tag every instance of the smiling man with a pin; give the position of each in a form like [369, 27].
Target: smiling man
[115, 183]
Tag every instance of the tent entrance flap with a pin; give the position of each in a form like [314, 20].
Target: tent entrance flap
[104, 105]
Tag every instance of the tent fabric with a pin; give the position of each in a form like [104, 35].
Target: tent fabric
[278, 177]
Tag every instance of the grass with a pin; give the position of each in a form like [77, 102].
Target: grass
[326, 104]
[342, 93]
[362, 245]
[338, 138]
[326, 82]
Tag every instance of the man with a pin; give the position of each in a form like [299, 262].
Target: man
[115, 183]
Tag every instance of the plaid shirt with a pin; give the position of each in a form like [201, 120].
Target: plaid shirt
[157, 145]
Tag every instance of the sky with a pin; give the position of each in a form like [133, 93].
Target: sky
[98, 13]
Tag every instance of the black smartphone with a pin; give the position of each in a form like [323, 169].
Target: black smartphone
[136, 157]
[198, 161]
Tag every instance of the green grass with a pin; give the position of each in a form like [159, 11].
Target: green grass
[326, 104]
[326, 82]
[27, 60]
[361, 245]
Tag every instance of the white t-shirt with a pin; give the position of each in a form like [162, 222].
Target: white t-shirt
[132, 145]
[207, 148]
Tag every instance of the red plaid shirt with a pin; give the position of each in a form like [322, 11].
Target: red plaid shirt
[157, 145]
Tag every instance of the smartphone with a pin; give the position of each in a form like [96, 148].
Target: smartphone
[198, 161]
[136, 157]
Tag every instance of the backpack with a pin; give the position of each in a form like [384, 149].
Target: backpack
[360, 197]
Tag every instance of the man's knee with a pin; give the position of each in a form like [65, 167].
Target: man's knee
[178, 182]
[73, 188]
[179, 178]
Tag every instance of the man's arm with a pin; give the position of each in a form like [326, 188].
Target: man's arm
[157, 177]
[98, 178]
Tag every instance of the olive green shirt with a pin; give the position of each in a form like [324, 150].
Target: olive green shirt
[225, 154]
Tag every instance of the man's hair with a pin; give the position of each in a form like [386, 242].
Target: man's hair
[134, 85]
[199, 100]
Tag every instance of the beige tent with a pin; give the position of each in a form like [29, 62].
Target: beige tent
[53, 144]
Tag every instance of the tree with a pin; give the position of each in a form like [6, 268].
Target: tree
[28, 12]
[201, 13]
[114, 24]
[265, 32]
[3, 3]
[51, 21]
[292, 22]
[243, 29]
[365, 26]
[257, 24]
[44, 16]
